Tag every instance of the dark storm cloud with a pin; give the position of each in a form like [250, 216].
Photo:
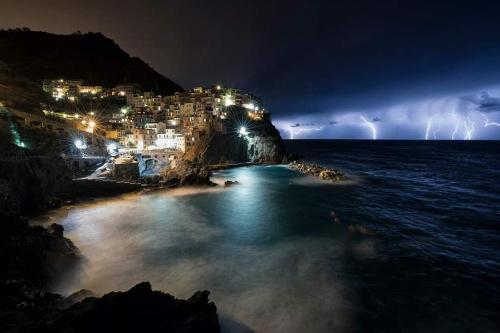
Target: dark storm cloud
[483, 103]
[488, 103]
[376, 119]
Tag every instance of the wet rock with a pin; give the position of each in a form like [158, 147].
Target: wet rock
[228, 183]
[187, 173]
[317, 171]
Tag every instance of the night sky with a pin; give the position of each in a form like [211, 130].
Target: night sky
[410, 69]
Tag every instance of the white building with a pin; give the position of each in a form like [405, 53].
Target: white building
[170, 139]
[156, 127]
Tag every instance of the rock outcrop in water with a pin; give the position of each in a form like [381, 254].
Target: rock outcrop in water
[317, 171]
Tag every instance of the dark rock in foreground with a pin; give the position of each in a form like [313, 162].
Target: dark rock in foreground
[138, 310]
[33, 256]
[317, 171]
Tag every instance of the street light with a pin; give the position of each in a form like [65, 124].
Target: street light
[80, 144]
[243, 131]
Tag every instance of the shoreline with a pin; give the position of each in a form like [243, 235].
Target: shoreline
[140, 188]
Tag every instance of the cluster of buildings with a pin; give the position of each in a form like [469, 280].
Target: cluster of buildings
[154, 124]
[72, 90]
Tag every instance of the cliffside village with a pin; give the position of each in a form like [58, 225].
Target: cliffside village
[163, 127]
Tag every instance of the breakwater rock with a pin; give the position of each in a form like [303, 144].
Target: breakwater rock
[317, 171]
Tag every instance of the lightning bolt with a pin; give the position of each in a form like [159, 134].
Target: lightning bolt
[468, 129]
[487, 121]
[429, 125]
[372, 127]
[455, 130]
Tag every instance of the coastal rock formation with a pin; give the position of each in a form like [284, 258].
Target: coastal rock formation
[218, 148]
[317, 171]
[265, 144]
[186, 173]
[139, 309]
[34, 256]
[262, 143]
[31, 258]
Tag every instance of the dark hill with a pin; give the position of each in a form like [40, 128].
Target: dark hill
[92, 57]
[18, 92]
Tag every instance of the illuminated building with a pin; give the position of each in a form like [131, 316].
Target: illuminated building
[91, 90]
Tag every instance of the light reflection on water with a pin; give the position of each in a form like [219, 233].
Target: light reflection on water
[268, 253]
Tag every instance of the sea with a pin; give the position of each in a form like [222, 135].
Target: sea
[415, 246]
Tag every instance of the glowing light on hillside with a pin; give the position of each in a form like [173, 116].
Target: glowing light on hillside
[250, 106]
[228, 100]
[80, 144]
[243, 131]
[112, 148]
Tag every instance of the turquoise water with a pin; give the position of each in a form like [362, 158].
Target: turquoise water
[274, 260]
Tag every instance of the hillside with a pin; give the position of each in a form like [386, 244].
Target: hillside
[91, 57]
[18, 92]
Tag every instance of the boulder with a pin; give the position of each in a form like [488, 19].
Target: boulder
[228, 183]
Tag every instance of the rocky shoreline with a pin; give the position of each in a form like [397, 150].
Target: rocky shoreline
[34, 256]
[317, 171]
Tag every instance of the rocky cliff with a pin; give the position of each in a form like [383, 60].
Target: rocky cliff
[262, 143]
